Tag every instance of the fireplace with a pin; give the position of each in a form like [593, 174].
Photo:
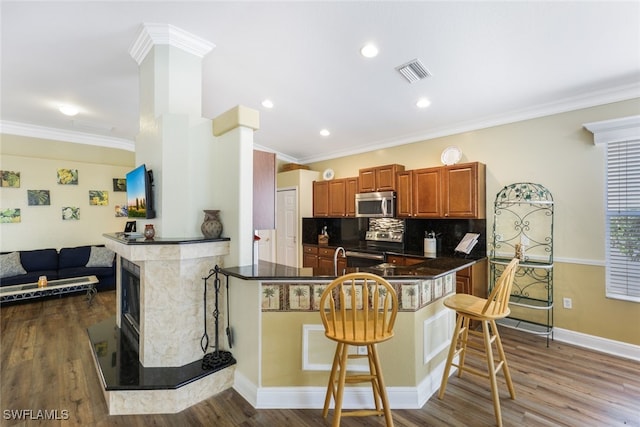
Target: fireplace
[130, 301]
[149, 356]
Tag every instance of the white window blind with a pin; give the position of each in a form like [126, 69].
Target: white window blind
[623, 220]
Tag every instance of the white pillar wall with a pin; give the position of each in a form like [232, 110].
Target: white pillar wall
[234, 180]
[174, 140]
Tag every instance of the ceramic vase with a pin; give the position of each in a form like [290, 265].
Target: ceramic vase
[149, 231]
[211, 227]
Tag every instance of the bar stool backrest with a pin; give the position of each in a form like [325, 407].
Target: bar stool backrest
[497, 304]
[359, 309]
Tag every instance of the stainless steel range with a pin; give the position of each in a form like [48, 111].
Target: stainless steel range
[373, 250]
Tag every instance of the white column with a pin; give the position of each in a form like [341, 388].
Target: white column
[174, 140]
[233, 179]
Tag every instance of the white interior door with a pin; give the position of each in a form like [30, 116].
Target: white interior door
[287, 227]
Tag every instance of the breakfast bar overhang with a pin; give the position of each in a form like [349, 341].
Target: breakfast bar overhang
[284, 359]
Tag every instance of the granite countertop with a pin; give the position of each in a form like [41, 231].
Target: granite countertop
[137, 239]
[429, 269]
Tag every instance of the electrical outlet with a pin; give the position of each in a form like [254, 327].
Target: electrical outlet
[362, 350]
[567, 303]
[524, 240]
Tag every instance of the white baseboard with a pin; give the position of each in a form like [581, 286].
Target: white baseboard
[354, 397]
[604, 345]
[245, 388]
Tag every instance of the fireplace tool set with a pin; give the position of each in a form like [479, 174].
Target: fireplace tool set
[217, 359]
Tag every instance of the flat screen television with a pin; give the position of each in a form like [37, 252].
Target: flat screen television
[140, 193]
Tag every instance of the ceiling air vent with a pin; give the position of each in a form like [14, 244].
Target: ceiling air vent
[413, 71]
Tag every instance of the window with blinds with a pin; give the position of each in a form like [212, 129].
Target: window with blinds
[623, 220]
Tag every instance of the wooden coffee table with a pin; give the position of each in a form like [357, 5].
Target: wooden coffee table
[54, 287]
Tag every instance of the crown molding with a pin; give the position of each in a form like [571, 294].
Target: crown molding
[587, 100]
[151, 34]
[42, 132]
[614, 130]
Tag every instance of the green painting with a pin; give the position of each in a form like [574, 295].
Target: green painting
[38, 197]
[98, 198]
[10, 179]
[9, 216]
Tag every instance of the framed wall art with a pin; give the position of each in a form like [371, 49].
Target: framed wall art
[68, 176]
[98, 198]
[119, 184]
[10, 216]
[70, 213]
[38, 197]
[10, 179]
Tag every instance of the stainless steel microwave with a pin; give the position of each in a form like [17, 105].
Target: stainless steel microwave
[376, 205]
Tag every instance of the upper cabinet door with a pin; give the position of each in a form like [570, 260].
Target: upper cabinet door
[350, 195]
[337, 198]
[427, 193]
[367, 180]
[464, 191]
[379, 178]
[386, 177]
[404, 201]
[320, 198]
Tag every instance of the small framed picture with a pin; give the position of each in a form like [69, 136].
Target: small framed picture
[98, 197]
[119, 184]
[10, 179]
[68, 176]
[38, 197]
[121, 211]
[70, 213]
[8, 216]
[130, 227]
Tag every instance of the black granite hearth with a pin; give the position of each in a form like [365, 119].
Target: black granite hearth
[121, 369]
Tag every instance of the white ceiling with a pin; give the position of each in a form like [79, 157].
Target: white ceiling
[491, 63]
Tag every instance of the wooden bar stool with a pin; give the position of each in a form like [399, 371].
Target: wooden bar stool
[358, 309]
[485, 311]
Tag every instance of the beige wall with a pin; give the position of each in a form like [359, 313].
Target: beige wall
[557, 152]
[38, 162]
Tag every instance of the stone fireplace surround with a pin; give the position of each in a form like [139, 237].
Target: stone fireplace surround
[168, 377]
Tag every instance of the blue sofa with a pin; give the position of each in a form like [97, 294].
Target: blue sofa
[63, 264]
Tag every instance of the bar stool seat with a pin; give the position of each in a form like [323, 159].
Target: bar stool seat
[358, 309]
[486, 312]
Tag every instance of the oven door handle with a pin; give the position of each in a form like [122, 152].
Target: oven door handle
[364, 255]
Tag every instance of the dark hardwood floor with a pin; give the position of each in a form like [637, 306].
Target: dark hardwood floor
[46, 364]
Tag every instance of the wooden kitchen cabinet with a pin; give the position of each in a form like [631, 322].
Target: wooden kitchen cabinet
[351, 189]
[427, 193]
[456, 191]
[404, 260]
[310, 256]
[320, 198]
[419, 193]
[379, 178]
[473, 280]
[464, 194]
[335, 198]
[404, 194]
[321, 259]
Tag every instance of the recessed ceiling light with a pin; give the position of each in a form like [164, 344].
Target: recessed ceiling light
[369, 50]
[267, 103]
[325, 132]
[68, 110]
[423, 103]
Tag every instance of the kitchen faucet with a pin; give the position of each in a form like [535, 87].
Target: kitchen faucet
[335, 259]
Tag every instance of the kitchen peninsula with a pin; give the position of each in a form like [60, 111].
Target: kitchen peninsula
[284, 359]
